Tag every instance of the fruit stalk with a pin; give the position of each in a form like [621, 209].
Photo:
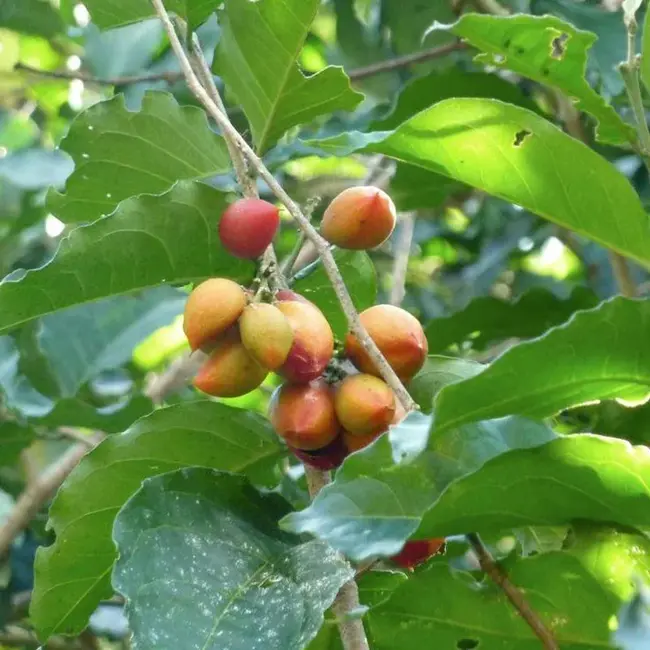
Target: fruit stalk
[322, 247]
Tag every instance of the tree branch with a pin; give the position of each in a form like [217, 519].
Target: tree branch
[353, 634]
[322, 247]
[71, 75]
[404, 61]
[38, 492]
[516, 598]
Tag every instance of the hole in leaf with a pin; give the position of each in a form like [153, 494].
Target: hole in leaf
[520, 136]
[558, 46]
[467, 644]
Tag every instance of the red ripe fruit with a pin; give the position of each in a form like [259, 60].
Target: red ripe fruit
[417, 551]
[248, 226]
[326, 458]
[359, 218]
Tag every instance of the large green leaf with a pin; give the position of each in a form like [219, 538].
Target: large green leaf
[206, 546]
[120, 153]
[379, 494]
[532, 164]
[73, 575]
[549, 51]
[81, 342]
[598, 354]
[149, 240]
[443, 609]
[31, 16]
[426, 91]
[360, 277]
[114, 13]
[257, 55]
[487, 319]
[579, 477]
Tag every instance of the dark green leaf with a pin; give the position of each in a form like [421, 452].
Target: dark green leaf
[438, 608]
[206, 545]
[532, 164]
[549, 51]
[598, 354]
[580, 477]
[360, 278]
[257, 55]
[73, 575]
[487, 320]
[415, 188]
[13, 439]
[426, 91]
[81, 342]
[31, 16]
[611, 418]
[114, 13]
[120, 153]
[149, 240]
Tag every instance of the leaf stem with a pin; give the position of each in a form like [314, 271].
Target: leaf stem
[514, 595]
[322, 247]
[630, 72]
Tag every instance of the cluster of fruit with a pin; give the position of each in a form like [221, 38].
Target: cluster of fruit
[321, 415]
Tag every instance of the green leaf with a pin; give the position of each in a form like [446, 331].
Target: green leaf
[120, 153]
[37, 17]
[149, 240]
[532, 164]
[415, 188]
[616, 559]
[81, 342]
[611, 418]
[14, 438]
[360, 277]
[380, 493]
[256, 57]
[598, 354]
[487, 319]
[115, 13]
[73, 575]
[478, 615]
[430, 89]
[206, 545]
[549, 51]
[580, 477]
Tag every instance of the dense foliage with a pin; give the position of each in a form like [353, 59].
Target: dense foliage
[512, 138]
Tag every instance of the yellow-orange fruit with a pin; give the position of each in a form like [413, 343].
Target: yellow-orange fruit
[303, 415]
[211, 308]
[364, 404]
[313, 342]
[359, 218]
[266, 334]
[230, 370]
[353, 442]
[398, 335]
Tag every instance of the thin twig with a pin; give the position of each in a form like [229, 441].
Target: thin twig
[630, 72]
[404, 61]
[38, 492]
[174, 377]
[322, 247]
[71, 75]
[173, 77]
[400, 264]
[514, 595]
